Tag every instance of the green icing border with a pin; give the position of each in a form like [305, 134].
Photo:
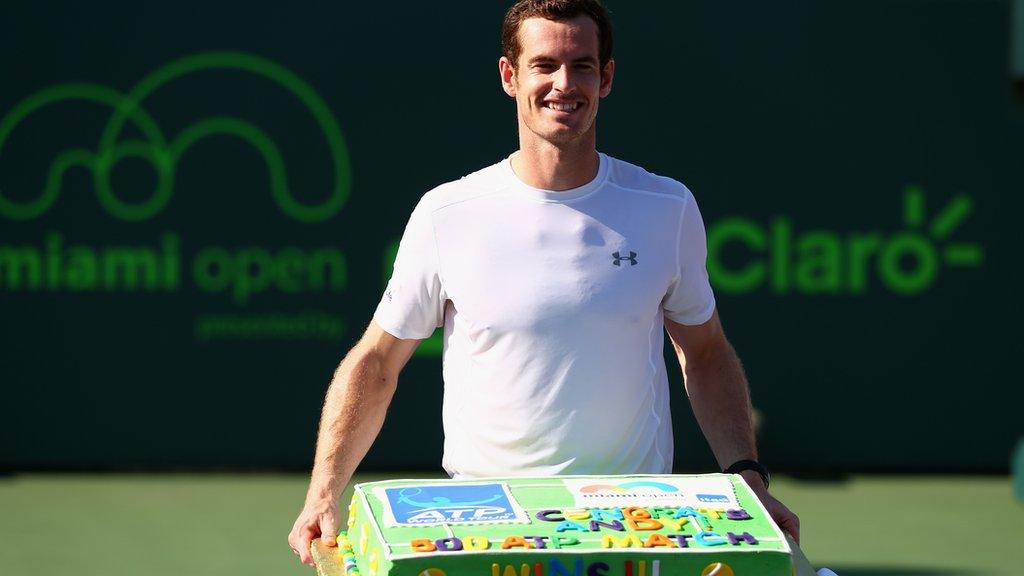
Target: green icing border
[768, 558]
[374, 541]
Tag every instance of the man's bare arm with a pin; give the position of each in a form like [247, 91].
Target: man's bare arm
[353, 413]
[717, 388]
[720, 398]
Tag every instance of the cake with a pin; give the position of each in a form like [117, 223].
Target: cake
[699, 525]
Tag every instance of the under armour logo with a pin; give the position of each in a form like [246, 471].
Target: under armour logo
[618, 259]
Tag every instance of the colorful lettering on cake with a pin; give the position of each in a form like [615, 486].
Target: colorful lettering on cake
[704, 538]
[558, 542]
[476, 543]
[641, 568]
[696, 517]
[570, 525]
[578, 567]
[687, 511]
[539, 542]
[595, 525]
[515, 542]
[675, 525]
[656, 540]
[711, 513]
[745, 537]
[628, 541]
[606, 515]
[455, 544]
[578, 514]
[550, 516]
[662, 512]
[643, 525]
[524, 570]
[452, 544]
[637, 528]
[638, 518]
[422, 545]
[709, 539]
[636, 513]
[740, 514]
[559, 569]
[449, 544]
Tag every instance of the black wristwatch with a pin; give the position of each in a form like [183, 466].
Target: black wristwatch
[754, 465]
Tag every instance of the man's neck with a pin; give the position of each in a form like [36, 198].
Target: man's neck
[546, 166]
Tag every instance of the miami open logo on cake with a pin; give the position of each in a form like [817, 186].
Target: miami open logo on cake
[650, 491]
[429, 505]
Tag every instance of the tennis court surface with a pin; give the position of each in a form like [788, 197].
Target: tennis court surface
[236, 524]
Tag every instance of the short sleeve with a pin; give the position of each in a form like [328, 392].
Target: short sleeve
[689, 299]
[412, 306]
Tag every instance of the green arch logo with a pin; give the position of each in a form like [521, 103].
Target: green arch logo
[162, 154]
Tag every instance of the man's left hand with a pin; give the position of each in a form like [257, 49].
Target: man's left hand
[782, 515]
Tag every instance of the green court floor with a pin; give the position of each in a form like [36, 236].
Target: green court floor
[197, 525]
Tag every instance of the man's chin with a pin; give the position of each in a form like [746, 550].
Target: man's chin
[562, 135]
[558, 133]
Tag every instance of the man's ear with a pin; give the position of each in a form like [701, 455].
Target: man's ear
[607, 75]
[508, 76]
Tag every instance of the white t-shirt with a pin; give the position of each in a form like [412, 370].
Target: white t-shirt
[552, 305]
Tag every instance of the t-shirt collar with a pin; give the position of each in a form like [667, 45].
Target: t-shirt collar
[557, 195]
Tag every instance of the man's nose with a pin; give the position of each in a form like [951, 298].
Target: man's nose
[564, 81]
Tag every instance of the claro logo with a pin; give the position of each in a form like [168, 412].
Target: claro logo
[163, 153]
[745, 256]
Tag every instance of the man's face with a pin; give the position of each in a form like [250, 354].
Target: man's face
[558, 79]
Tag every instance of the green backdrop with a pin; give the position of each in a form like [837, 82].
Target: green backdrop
[198, 206]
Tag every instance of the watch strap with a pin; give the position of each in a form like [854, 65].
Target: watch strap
[754, 465]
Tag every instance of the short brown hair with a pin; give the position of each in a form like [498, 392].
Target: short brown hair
[559, 11]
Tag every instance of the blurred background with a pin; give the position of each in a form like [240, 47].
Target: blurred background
[200, 203]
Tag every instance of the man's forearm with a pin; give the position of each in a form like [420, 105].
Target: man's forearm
[720, 398]
[353, 413]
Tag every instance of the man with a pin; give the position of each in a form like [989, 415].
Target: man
[553, 274]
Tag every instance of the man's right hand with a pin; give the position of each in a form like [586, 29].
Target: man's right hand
[353, 414]
[317, 520]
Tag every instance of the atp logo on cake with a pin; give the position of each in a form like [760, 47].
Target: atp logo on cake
[429, 505]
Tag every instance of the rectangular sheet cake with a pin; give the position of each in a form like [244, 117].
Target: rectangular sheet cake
[673, 525]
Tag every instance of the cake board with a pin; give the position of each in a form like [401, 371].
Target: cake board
[328, 560]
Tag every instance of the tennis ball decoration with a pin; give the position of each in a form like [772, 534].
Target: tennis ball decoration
[717, 569]
[433, 572]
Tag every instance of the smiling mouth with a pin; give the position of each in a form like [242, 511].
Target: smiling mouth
[562, 106]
